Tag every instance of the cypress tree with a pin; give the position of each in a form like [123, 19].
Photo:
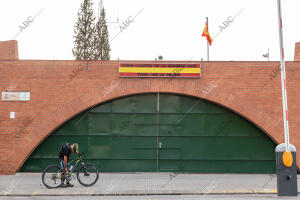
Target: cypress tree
[101, 39]
[84, 32]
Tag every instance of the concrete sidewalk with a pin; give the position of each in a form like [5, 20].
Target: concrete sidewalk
[27, 184]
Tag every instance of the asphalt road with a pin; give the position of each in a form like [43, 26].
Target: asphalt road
[154, 197]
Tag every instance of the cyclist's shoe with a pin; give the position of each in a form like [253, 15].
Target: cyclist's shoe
[63, 185]
[69, 185]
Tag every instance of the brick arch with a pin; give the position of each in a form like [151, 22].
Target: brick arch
[46, 123]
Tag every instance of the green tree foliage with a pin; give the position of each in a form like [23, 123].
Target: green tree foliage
[84, 32]
[101, 39]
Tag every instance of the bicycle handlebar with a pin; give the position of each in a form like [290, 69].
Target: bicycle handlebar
[81, 153]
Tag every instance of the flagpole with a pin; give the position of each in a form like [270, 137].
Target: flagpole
[207, 41]
[283, 81]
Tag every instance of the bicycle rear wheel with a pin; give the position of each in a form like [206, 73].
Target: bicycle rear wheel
[87, 174]
[51, 177]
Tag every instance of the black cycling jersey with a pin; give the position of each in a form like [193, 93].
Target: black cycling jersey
[65, 151]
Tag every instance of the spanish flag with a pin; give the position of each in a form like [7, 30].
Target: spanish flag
[206, 34]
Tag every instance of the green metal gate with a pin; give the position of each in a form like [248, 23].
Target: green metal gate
[161, 132]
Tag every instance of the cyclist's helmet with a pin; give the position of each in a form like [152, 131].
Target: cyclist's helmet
[75, 148]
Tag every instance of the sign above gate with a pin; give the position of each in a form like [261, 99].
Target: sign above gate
[163, 70]
[15, 96]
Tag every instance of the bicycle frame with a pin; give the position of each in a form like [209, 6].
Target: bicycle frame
[76, 160]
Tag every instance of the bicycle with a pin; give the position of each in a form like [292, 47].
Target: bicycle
[53, 176]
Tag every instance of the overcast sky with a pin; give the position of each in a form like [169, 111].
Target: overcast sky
[170, 28]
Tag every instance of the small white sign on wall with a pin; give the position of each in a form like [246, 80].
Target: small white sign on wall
[15, 96]
[12, 115]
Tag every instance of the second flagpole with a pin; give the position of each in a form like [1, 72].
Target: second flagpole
[207, 41]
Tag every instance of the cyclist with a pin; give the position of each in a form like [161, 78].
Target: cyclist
[64, 155]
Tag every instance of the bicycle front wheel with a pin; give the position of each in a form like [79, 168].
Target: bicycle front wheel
[87, 174]
[51, 177]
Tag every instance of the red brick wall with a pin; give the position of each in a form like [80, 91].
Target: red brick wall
[9, 50]
[61, 89]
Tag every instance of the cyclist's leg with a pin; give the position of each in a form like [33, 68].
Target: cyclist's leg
[68, 165]
[61, 163]
[63, 170]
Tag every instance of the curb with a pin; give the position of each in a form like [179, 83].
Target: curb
[140, 193]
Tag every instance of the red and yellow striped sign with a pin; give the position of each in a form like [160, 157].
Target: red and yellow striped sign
[159, 70]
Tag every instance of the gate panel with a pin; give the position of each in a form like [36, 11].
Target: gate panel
[184, 135]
